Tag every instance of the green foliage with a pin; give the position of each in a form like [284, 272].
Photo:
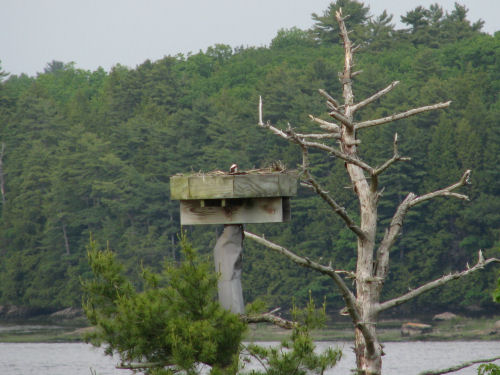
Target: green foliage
[296, 356]
[326, 27]
[173, 321]
[488, 369]
[91, 152]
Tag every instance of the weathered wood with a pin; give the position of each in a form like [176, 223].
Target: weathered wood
[179, 187]
[236, 211]
[257, 186]
[206, 187]
[185, 187]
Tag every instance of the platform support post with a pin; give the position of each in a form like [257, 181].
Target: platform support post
[228, 257]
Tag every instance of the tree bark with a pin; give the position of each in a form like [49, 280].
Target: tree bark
[2, 177]
[227, 256]
[372, 267]
[66, 240]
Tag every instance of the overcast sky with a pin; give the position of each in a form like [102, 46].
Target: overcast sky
[95, 33]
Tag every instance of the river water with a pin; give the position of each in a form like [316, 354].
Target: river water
[402, 358]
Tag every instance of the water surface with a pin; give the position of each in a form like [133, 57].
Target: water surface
[407, 358]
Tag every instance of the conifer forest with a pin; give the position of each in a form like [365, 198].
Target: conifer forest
[88, 154]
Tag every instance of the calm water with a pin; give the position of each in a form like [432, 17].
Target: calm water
[406, 358]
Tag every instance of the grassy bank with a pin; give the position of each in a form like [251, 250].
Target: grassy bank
[389, 330]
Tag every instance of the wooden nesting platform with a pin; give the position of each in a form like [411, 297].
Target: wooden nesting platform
[222, 198]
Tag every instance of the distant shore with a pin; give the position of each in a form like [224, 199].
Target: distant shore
[459, 329]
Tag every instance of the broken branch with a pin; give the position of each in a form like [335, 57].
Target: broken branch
[269, 317]
[334, 128]
[329, 98]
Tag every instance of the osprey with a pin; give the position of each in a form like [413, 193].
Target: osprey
[233, 168]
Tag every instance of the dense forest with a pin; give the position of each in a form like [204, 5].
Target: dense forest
[90, 154]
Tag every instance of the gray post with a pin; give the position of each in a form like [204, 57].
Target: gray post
[227, 255]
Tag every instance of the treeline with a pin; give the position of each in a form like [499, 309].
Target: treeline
[90, 154]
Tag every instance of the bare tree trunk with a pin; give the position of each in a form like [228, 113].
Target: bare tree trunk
[2, 178]
[372, 264]
[66, 240]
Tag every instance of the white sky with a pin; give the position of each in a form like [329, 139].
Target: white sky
[95, 33]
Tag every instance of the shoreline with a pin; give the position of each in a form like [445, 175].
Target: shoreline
[459, 329]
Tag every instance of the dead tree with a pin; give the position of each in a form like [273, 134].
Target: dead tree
[363, 305]
[2, 178]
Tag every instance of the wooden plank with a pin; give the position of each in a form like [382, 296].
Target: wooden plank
[287, 184]
[209, 187]
[287, 209]
[233, 186]
[249, 186]
[238, 211]
[179, 188]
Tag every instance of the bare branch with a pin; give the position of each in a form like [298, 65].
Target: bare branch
[339, 154]
[396, 157]
[374, 96]
[339, 210]
[329, 98]
[331, 127]
[398, 116]
[261, 123]
[437, 283]
[459, 367]
[446, 191]
[306, 262]
[269, 317]
[2, 178]
[345, 76]
[340, 117]
[143, 365]
[358, 72]
[311, 183]
[318, 136]
[348, 274]
[292, 136]
[382, 263]
[348, 296]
